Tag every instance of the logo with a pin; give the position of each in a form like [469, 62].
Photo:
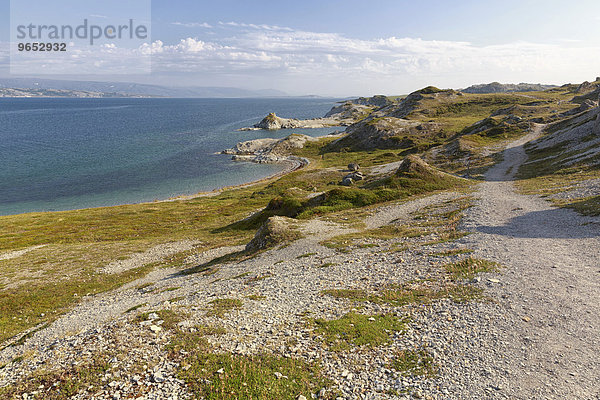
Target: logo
[80, 38]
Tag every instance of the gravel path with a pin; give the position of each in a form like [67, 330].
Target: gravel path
[549, 304]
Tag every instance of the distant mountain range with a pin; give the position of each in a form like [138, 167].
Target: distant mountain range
[28, 87]
[497, 87]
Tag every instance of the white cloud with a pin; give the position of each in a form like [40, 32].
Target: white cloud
[254, 26]
[300, 61]
[193, 24]
[314, 52]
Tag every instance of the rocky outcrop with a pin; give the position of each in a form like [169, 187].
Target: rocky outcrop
[349, 179]
[349, 112]
[414, 166]
[414, 102]
[276, 230]
[251, 147]
[375, 101]
[587, 87]
[384, 133]
[343, 114]
[590, 96]
[497, 87]
[273, 122]
[265, 151]
[586, 105]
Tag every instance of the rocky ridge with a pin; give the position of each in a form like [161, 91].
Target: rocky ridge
[497, 87]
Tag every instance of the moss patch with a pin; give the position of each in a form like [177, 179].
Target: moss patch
[220, 307]
[417, 362]
[358, 330]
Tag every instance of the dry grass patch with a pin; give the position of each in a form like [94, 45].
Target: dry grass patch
[220, 307]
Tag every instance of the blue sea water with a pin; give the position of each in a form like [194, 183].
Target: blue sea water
[62, 154]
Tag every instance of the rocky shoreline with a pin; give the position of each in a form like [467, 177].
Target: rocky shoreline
[268, 151]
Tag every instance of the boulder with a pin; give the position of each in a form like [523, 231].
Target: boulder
[270, 122]
[273, 231]
[347, 182]
[355, 176]
[414, 165]
[353, 167]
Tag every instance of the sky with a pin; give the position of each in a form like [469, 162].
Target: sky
[349, 47]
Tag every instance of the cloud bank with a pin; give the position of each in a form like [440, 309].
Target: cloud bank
[261, 56]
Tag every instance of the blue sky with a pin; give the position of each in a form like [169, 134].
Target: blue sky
[357, 47]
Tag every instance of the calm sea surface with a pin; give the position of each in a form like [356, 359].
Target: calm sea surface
[62, 154]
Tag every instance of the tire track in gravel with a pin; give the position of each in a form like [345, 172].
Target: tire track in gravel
[550, 347]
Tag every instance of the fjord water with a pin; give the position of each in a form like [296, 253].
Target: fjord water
[62, 154]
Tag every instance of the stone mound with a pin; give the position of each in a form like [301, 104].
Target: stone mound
[274, 231]
[414, 165]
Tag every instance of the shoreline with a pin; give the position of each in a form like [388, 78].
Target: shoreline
[290, 165]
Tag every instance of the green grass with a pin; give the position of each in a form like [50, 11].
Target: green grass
[386, 232]
[242, 275]
[228, 376]
[220, 307]
[358, 330]
[417, 362]
[257, 278]
[170, 318]
[587, 206]
[63, 384]
[136, 307]
[306, 255]
[50, 280]
[327, 265]
[469, 267]
[250, 377]
[22, 308]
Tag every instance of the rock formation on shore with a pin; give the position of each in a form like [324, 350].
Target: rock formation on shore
[264, 151]
[344, 114]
